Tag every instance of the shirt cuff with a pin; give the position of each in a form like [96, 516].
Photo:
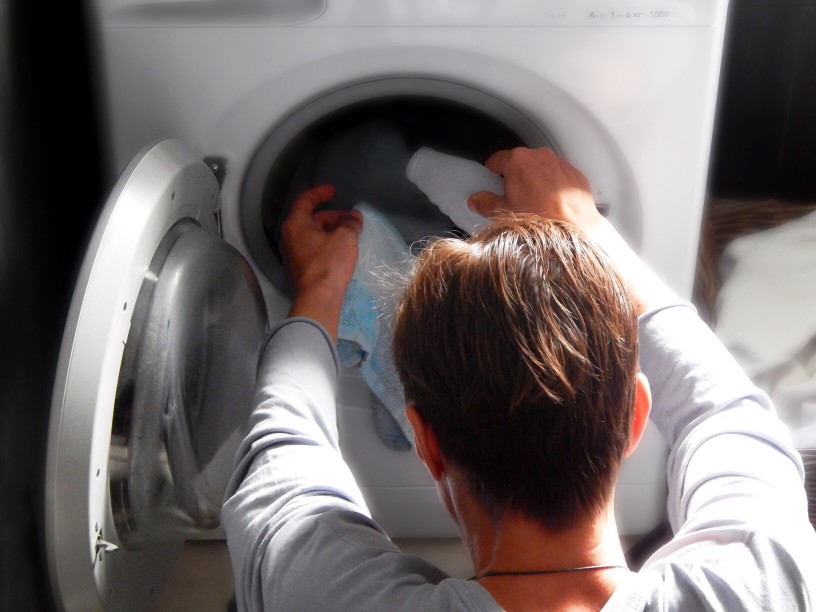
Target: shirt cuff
[290, 324]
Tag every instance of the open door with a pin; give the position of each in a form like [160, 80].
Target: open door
[153, 387]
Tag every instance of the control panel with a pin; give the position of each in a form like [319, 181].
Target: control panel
[523, 13]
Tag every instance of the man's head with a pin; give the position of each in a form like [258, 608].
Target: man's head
[518, 349]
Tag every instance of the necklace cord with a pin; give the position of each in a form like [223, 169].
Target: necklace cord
[563, 570]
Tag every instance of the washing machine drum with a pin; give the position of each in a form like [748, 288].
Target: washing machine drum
[185, 386]
[363, 150]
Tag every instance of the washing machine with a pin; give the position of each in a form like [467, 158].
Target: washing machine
[216, 114]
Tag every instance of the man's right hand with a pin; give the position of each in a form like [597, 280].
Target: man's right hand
[538, 181]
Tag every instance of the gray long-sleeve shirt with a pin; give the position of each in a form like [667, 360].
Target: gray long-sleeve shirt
[301, 538]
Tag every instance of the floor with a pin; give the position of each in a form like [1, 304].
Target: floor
[202, 580]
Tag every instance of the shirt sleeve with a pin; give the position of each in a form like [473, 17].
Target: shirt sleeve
[736, 497]
[298, 530]
[703, 399]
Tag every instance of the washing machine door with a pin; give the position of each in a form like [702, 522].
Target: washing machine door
[153, 387]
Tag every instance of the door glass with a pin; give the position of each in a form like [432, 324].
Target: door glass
[185, 387]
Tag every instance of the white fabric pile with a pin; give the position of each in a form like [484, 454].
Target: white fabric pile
[766, 316]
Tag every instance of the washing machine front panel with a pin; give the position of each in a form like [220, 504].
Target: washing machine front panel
[164, 331]
[397, 489]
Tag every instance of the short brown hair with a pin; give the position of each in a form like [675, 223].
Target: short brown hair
[518, 347]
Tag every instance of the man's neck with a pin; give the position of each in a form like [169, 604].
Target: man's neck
[518, 544]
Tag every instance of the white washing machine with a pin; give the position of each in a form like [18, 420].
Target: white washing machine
[216, 114]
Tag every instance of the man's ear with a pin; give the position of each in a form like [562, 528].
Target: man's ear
[426, 444]
[640, 417]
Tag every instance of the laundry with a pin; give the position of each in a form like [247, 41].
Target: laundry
[766, 316]
[364, 335]
[449, 181]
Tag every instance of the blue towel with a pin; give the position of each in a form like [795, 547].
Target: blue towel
[364, 335]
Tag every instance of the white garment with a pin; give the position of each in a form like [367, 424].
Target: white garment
[449, 181]
[766, 314]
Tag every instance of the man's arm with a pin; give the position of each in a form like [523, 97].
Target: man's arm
[691, 374]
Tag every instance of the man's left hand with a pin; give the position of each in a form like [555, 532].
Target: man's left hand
[319, 252]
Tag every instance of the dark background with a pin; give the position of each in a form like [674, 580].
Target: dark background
[50, 190]
[52, 187]
[765, 139]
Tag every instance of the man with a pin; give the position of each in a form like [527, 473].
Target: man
[518, 351]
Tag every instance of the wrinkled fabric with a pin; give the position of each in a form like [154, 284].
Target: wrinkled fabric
[364, 335]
